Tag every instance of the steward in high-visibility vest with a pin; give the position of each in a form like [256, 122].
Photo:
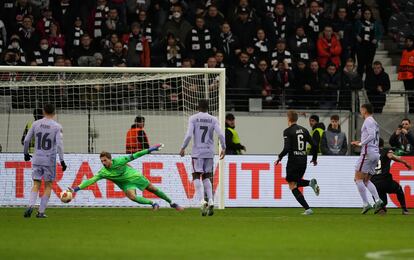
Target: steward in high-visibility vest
[136, 138]
[37, 114]
[317, 131]
[233, 145]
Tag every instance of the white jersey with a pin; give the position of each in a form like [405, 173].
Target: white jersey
[48, 141]
[370, 136]
[201, 127]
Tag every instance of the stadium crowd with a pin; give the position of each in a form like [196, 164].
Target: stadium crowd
[296, 52]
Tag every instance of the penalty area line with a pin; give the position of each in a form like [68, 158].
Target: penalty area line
[391, 254]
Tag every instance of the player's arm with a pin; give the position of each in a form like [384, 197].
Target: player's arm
[128, 158]
[314, 147]
[87, 183]
[221, 137]
[59, 143]
[26, 143]
[286, 147]
[395, 158]
[187, 138]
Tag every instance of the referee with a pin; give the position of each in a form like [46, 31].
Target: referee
[295, 139]
[383, 178]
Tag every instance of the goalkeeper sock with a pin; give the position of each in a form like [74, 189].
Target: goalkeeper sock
[142, 200]
[162, 195]
[299, 197]
[208, 188]
[362, 191]
[32, 199]
[303, 183]
[43, 204]
[199, 189]
[372, 189]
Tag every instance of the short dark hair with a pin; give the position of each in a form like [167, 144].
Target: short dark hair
[368, 107]
[406, 119]
[49, 109]
[335, 117]
[377, 62]
[230, 116]
[139, 119]
[292, 116]
[315, 117]
[203, 105]
[105, 154]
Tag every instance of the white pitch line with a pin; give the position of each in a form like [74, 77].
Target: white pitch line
[390, 254]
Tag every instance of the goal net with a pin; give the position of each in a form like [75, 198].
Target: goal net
[97, 106]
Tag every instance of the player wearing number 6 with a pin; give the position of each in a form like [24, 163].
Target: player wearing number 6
[201, 127]
[48, 142]
[295, 139]
[127, 178]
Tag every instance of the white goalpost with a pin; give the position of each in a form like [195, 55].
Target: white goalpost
[97, 106]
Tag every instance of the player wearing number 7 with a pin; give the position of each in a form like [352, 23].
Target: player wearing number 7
[127, 178]
[295, 139]
[48, 142]
[201, 127]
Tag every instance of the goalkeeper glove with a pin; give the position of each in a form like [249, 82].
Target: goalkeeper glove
[156, 147]
[63, 164]
[27, 157]
[74, 189]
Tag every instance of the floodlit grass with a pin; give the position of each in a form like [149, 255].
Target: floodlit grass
[245, 233]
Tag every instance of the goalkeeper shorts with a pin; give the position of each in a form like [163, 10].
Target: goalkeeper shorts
[139, 182]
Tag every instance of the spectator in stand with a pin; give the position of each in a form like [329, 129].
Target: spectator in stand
[355, 9]
[108, 47]
[278, 25]
[96, 21]
[136, 138]
[281, 55]
[377, 84]
[266, 85]
[315, 22]
[233, 145]
[177, 25]
[134, 7]
[120, 6]
[83, 55]
[334, 140]
[43, 25]
[344, 28]
[262, 45]
[214, 19]
[22, 9]
[285, 81]
[315, 82]
[138, 50]
[64, 12]
[301, 46]
[3, 37]
[56, 39]
[113, 23]
[403, 138]
[244, 27]
[16, 47]
[242, 82]
[75, 35]
[116, 57]
[318, 129]
[29, 37]
[199, 42]
[351, 82]
[304, 91]
[174, 52]
[229, 44]
[368, 34]
[330, 85]
[11, 58]
[329, 48]
[40, 4]
[219, 55]
[406, 70]
[44, 55]
[296, 11]
[146, 26]
[399, 26]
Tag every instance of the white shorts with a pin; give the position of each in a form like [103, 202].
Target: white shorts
[367, 163]
[203, 165]
[48, 173]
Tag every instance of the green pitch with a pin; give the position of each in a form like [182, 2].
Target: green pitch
[229, 234]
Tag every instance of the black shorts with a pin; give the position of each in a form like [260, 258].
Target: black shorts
[386, 186]
[295, 172]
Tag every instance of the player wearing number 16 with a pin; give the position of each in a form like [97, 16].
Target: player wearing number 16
[295, 139]
[48, 141]
[201, 127]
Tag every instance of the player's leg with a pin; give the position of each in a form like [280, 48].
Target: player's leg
[208, 166]
[373, 190]
[396, 188]
[359, 181]
[382, 188]
[132, 195]
[45, 199]
[162, 195]
[197, 164]
[37, 175]
[293, 175]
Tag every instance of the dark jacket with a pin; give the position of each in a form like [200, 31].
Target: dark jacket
[350, 81]
[231, 147]
[405, 142]
[372, 82]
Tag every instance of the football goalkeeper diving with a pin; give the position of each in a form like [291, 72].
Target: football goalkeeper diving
[127, 178]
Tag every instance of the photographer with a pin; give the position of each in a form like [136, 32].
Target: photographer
[403, 139]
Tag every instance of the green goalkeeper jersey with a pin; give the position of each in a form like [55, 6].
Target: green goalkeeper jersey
[120, 172]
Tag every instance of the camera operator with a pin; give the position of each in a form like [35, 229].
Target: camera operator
[403, 139]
